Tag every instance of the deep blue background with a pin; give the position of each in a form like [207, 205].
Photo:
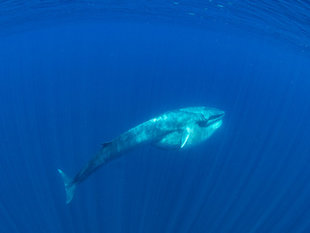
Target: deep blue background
[67, 89]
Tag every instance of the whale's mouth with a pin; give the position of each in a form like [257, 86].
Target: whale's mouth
[216, 124]
[215, 121]
[216, 117]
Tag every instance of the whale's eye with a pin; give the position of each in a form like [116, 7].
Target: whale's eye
[202, 122]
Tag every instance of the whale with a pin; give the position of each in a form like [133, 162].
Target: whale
[177, 130]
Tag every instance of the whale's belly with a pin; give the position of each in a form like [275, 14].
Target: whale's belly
[171, 141]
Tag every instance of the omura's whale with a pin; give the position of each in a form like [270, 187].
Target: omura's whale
[176, 129]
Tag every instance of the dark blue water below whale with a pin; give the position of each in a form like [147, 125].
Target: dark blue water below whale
[76, 74]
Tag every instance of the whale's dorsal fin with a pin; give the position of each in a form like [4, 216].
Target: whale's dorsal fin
[105, 144]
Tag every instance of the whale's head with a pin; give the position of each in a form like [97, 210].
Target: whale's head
[206, 116]
[206, 121]
[210, 118]
[194, 125]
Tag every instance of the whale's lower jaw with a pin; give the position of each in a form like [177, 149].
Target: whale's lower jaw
[217, 124]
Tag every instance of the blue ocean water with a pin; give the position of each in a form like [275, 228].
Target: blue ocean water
[76, 74]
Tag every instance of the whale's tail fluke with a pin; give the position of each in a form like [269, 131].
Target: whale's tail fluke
[69, 186]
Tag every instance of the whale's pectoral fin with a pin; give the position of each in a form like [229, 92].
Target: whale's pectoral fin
[185, 138]
[69, 186]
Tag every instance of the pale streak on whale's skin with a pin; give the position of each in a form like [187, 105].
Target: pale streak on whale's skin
[176, 129]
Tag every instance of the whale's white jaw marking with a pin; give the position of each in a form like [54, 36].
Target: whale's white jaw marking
[217, 124]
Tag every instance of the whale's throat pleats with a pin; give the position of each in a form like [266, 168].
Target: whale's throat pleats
[174, 140]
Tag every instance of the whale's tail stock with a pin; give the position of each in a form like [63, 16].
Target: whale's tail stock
[69, 186]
